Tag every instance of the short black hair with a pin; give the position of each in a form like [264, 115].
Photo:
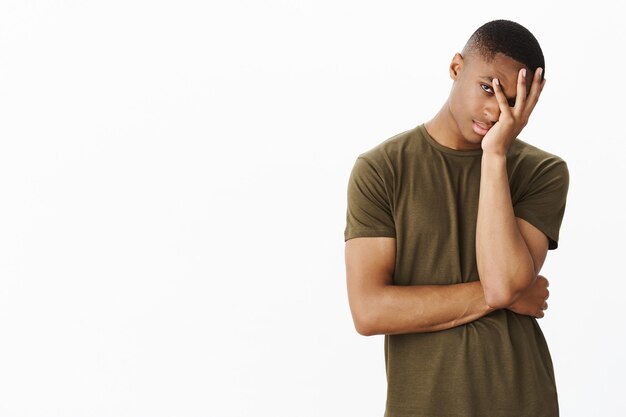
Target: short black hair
[508, 38]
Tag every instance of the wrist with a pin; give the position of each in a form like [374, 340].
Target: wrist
[494, 154]
[492, 161]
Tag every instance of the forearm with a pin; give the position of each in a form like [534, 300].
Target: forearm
[392, 309]
[505, 264]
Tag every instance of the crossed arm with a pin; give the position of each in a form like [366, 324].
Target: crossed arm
[379, 307]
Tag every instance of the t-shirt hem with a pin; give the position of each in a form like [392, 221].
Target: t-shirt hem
[400, 411]
[369, 233]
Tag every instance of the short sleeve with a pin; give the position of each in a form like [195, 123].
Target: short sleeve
[543, 203]
[369, 210]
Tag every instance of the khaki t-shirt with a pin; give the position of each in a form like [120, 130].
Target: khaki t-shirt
[426, 196]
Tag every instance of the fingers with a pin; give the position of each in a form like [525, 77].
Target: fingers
[520, 100]
[541, 311]
[535, 91]
[502, 101]
[545, 294]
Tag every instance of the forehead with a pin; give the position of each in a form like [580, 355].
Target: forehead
[502, 67]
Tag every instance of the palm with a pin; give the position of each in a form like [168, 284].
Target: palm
[512, 119]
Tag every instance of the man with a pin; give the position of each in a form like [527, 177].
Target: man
[448, 226]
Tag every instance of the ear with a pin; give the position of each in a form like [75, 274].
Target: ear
[456, 66]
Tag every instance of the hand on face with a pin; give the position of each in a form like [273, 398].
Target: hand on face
[512, 119]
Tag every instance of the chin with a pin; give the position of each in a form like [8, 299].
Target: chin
[472, 136]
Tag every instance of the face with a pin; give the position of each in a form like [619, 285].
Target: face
[472, 105]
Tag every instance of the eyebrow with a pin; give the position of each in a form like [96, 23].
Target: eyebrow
[489, 78]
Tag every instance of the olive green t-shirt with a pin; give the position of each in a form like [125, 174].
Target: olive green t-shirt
[425, 195]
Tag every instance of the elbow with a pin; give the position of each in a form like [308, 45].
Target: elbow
[502, 296]
[499, 298]
[365, 324]
[364, 330]
[505, 292]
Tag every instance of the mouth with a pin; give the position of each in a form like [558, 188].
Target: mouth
[480, 128]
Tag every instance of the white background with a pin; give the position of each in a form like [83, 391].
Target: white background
[172, 197]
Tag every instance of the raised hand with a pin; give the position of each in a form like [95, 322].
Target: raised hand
[512, 119]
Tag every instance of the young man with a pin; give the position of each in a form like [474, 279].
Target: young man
[448, 226]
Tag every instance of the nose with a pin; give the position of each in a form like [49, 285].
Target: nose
[492, 110]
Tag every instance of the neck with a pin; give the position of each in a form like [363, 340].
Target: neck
[445, 131]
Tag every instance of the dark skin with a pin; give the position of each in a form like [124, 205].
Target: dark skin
[510, 251]
[474, 97]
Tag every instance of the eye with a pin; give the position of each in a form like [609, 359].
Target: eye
[486, 88]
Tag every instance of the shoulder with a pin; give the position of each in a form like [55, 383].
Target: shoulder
[530, 161]
[539, 183]
[391, 150]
